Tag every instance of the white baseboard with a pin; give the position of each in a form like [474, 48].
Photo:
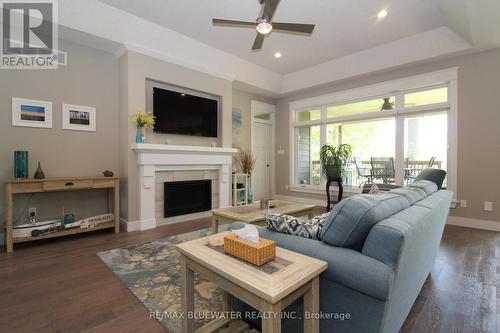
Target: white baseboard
[129, 226]
[473, 223]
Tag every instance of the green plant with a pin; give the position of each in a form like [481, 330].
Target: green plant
[334, 158]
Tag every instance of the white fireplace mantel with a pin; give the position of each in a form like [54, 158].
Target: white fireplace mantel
[157, 157]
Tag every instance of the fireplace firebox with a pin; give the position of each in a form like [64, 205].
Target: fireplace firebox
[187, 197]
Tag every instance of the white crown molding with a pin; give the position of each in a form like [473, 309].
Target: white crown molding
[404, 51]
[378, 89]
[136, 34]
[176, 61]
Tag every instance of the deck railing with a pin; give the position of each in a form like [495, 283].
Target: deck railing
[352, 178]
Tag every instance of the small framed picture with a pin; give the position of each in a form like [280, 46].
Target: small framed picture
[79, 118]
[31, 113]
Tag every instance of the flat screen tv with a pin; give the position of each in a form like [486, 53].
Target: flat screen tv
[179, 113]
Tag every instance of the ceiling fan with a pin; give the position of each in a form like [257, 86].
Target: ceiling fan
[264, 24]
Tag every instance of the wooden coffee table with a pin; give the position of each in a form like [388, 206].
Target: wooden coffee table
[253, 214]
[268, 291]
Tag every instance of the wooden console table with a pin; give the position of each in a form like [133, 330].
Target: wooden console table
[28, 186]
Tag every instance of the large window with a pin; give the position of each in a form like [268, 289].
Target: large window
[393, 136]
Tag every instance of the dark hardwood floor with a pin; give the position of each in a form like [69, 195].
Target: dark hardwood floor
[60, 285]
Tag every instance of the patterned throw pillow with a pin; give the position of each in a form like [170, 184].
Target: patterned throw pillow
[291, 225]
[375, 190]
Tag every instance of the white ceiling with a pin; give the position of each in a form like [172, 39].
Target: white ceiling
[343, 27]
[348, 41]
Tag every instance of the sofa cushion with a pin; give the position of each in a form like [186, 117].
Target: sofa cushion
[291, 225]
[350, 221]
[347, 267]
[427, 186]
[412, 194]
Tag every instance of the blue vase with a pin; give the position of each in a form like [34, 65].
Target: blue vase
[20, 164]
[139, 138]
[250, 192]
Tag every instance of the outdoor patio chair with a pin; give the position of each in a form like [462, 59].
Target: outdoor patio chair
[383, 169]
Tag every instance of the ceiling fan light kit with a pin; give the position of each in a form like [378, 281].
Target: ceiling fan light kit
[264, 24]
[264, 27]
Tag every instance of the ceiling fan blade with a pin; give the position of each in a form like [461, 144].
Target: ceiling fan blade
[293, 27]
[234, 23]
[269, 9]
[257, 44]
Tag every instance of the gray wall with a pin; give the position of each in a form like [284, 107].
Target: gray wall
[242, 101]
[135, 70]
[478, 127]
[90, 79]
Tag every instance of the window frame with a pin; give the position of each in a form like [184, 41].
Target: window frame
[397, 88]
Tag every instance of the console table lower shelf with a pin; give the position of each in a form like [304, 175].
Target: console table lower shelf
[31, 186]
[270, 292]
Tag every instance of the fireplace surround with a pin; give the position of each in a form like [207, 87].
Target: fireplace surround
[155, 158]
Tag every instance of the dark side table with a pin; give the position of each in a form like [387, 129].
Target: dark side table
[329, 181]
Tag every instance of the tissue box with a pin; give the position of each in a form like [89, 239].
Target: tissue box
[257, 254]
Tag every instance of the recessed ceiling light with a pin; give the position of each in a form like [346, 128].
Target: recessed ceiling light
[277, 55]
[383, 13]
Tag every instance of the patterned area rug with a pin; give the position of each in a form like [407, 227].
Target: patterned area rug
[152, 272]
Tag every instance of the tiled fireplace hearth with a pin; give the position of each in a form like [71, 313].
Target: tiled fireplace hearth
[165, 163]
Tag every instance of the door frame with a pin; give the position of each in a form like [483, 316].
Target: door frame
[254, 107]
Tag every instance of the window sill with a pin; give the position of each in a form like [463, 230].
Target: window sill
[348, 190]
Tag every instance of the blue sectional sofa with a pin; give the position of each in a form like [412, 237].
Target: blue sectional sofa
[380, 250]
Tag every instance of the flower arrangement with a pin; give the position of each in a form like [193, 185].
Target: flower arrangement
[246, 160]
[144, 119]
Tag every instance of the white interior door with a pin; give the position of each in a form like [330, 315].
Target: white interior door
[262, 149]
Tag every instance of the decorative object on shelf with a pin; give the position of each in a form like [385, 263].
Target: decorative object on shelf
[35, 229]
[246, 160]
[107, 173]
[388, 105]
[79, 118]
[240, 189]
[31, 113]
[250, 190]
[143, 120]
[20, 164]
[265, 204]
[69, 218]
[39, 172]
